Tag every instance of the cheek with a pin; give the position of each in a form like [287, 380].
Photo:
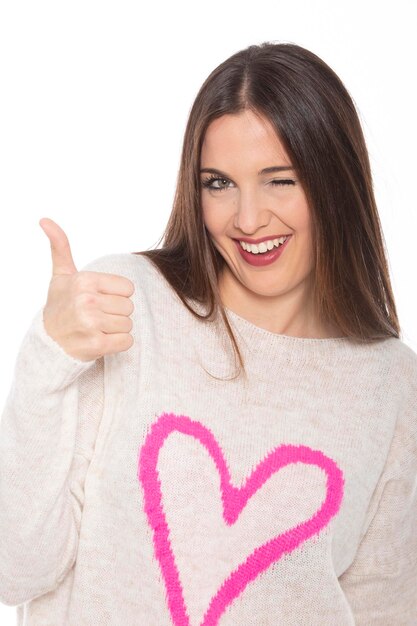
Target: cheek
[306, 248]
[300, 219]
[208, 224]
[305, 238]
[213, 220]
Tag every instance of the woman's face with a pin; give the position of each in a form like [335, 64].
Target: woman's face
[243, 203]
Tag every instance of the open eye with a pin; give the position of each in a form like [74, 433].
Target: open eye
[208, 183]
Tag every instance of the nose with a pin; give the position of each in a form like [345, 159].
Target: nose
[251, 214]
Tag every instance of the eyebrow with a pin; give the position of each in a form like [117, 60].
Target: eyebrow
[266, 170]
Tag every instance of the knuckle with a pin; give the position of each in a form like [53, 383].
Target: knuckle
[131, 286]
[85, 281]
[126, 342]
[86, 299]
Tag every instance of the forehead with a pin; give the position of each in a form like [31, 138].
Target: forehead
[229, 137]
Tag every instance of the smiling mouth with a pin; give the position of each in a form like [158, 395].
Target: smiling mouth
[262, 249]
[262, 239]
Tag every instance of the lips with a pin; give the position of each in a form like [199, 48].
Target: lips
[266, 238]
[266, 258]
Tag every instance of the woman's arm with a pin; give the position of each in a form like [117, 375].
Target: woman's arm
[48, 430]
[381, 583]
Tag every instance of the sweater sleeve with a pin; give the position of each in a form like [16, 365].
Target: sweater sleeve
[48, 430]
[381, 583]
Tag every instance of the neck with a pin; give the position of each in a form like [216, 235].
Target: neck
[290, 313]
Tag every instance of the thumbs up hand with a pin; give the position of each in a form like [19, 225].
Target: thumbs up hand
[86, 313]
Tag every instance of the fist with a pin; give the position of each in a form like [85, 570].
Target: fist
[86, 313]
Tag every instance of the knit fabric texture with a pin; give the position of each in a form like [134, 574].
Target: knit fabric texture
[149, 488]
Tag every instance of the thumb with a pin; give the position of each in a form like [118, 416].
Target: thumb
[62, 261]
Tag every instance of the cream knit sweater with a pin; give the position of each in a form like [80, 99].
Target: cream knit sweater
[136, 490]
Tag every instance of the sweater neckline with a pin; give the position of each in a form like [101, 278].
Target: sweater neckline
[258, 331]
[296, 351]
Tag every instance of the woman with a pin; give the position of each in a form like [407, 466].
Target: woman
[143, 481]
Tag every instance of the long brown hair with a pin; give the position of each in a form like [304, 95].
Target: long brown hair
[316, 121]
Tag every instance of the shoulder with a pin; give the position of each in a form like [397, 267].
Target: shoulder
[405, 359]
[404, 384]
[400, 360]
[136, 267]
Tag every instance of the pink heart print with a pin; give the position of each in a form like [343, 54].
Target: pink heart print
[234, 499]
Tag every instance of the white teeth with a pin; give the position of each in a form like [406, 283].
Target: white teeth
[264, 246]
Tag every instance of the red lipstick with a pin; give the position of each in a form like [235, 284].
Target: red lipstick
[263, 258]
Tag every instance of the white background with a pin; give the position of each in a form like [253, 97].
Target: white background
[93, 107]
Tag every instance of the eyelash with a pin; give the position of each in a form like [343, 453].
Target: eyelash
[208, 182]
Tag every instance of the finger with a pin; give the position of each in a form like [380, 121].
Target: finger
[62, 261]
[110, 324]
[117, 342]
[116, 305]
[114, 284]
